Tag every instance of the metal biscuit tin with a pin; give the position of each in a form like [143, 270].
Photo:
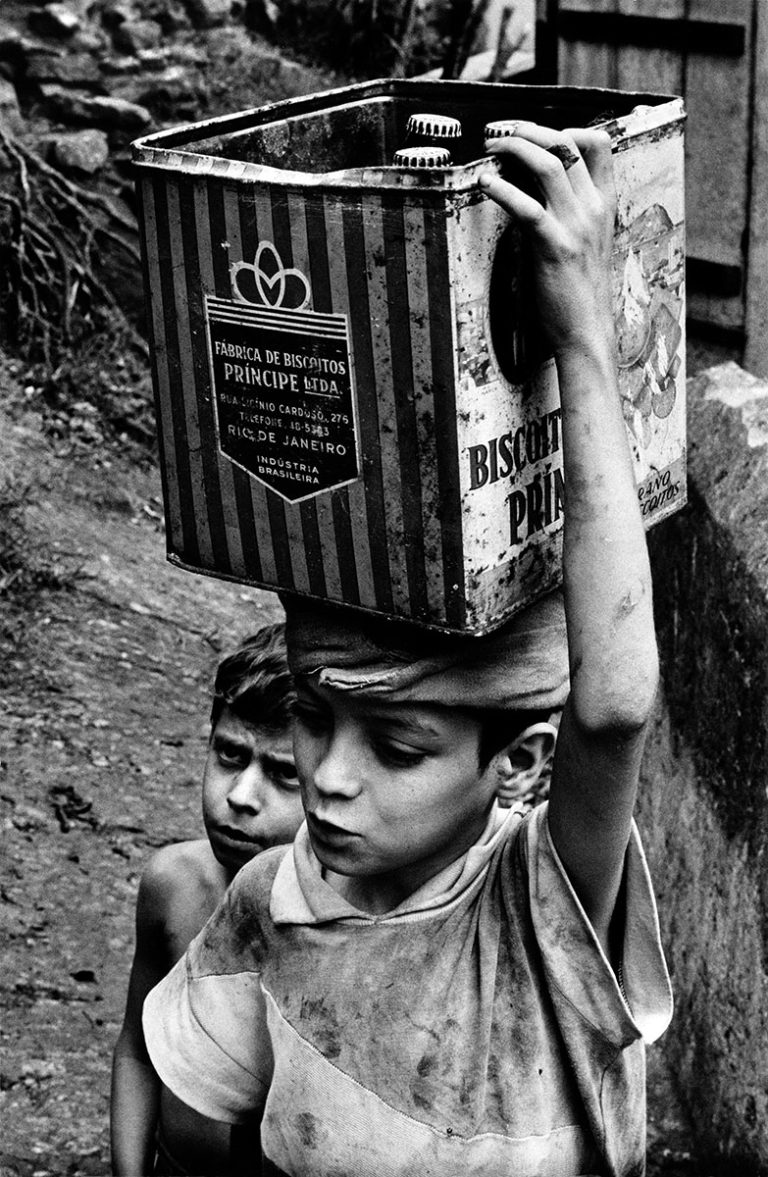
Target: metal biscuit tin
[353, 400]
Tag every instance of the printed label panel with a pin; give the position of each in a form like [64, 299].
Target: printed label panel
[511, 470]
[282, 389]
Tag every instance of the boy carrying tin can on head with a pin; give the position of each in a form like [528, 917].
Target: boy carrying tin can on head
[423, 984]
[251, 802]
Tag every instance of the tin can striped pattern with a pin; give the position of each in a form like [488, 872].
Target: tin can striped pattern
[389, 541]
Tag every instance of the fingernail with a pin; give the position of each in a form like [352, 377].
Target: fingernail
[485, 179]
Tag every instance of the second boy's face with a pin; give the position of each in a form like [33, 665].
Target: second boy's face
[393, 791]
[251, 796]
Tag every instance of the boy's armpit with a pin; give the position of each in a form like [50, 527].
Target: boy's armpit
[574, 960]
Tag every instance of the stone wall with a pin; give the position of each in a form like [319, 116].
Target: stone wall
[704, 807]
[80, 79]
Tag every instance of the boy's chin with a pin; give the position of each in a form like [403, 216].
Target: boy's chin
[333, 861]
[231, 864]
[232, 859]
[344, 862]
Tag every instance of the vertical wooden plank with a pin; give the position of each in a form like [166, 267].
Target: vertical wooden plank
[718, 100]
[581, 63]
[756, 311]
[717, 89]
[639, 68]
[717, 142]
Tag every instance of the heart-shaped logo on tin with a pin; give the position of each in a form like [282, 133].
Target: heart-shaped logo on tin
[272, 284]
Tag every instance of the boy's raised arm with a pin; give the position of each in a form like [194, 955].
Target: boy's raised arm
[607, 583]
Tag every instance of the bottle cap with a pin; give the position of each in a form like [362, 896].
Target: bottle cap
[432, 126]
[422, 157]
[500, 129]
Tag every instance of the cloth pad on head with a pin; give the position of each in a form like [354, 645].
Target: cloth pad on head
[522, 666]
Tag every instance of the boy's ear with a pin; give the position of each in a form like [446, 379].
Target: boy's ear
[525, 763]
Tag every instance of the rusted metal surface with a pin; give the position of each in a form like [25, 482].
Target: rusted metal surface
[353, 399]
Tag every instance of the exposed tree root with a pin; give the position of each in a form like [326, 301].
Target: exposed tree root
[52, 232]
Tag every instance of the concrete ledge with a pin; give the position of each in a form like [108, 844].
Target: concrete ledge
[704, 807]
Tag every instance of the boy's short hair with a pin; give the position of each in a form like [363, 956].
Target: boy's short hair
[255, 682]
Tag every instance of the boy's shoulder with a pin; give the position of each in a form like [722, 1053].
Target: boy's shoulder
[182, 862]
[180, 887]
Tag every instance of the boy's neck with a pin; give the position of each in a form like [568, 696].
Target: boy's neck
[379, 894]
[376, 894]
[221, 875]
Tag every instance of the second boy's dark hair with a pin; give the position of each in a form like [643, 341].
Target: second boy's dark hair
[255, 682]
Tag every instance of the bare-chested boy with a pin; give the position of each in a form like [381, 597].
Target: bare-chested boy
[251, 801]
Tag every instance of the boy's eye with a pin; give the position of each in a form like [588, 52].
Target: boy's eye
[309, 716]
[230, 756]
[397, 756]
[284, 775]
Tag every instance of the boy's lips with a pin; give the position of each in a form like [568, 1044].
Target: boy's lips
[232, 835]
[327, 830]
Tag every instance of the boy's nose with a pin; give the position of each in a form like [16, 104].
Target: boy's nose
[337, 772]
[245, 793]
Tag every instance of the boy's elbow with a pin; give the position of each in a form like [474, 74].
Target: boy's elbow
[622, 703]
